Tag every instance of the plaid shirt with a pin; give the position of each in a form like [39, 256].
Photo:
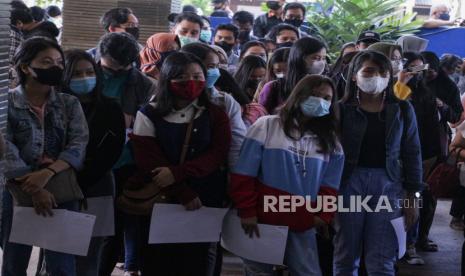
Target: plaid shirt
[16, 37]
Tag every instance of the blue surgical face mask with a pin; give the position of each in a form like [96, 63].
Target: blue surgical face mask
[185, 40]
[206, 35]
[83, 86]
[315, 107]
[213, 75]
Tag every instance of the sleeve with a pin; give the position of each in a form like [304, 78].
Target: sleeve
[264, 98]
[331, 180]
[13, 160]
[411, 151]
[77, 135]
[452, 109]
[108, 150]
[244, 177]
[462, 117]
[216, 154]
[257, 28]
[402, 91]
[238, 130]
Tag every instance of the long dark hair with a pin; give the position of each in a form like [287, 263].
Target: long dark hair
[29, 50]
[418, 86]
[294, 122]
[280, 55]
[296, 67]
[246, 68]
[172, 68]
[357, 63]
[72, 59]
[228, 84]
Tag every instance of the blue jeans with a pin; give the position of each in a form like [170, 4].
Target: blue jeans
[89, 265]
[132, 242]
[412, 234]
[16, 256]
[371, 230]
[301, 257]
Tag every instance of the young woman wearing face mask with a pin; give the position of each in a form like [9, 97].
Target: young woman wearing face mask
[159, 134]
[401, 76]
[250, 73]
[156, 50]
[302, 140]
[307, 56]
[275, 69]
[378, 133]
[251, 111]
[210, 60]
[40, 146]
[436, 100]
[83, 79]
[254, 48]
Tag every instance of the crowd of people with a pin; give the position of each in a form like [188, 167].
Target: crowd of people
[222, 118]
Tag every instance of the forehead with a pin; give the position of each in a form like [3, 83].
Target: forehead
[255, 49]
[224, 33]
[192, 68]
[83, 64]
[294, 11]
[185, 24]
[49, 53]
[132, 19]
[287, 33]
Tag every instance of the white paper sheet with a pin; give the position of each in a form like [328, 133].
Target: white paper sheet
[269, 248]
[66, 232]
[171, 223]
[399, 228]
[103, 209]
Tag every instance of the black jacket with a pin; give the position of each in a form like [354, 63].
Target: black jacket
[433, 120]
[263, 25]
[107, 134]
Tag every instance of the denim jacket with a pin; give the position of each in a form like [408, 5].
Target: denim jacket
[27, 139]
[403, 150]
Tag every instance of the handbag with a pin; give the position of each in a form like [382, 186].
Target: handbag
[63, 186]
[445, 178]
[140, 201]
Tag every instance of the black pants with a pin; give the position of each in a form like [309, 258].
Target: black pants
[457, 210]
[113, 247]
[185, 259]
[426, 215]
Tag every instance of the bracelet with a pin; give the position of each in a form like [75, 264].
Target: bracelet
[52, 170]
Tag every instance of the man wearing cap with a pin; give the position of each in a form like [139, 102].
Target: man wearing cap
[222, 6]
[367, 38]
[265, 22]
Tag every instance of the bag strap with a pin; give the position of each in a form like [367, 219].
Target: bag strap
[187, 139]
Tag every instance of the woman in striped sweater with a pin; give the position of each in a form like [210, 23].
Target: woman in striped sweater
[295, 153]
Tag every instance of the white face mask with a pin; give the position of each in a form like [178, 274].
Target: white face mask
[280, 75]
[397, 66]
[373, 85]
[316, 68]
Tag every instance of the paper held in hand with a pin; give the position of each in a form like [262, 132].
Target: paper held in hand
[65, 232]
[172, 223]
